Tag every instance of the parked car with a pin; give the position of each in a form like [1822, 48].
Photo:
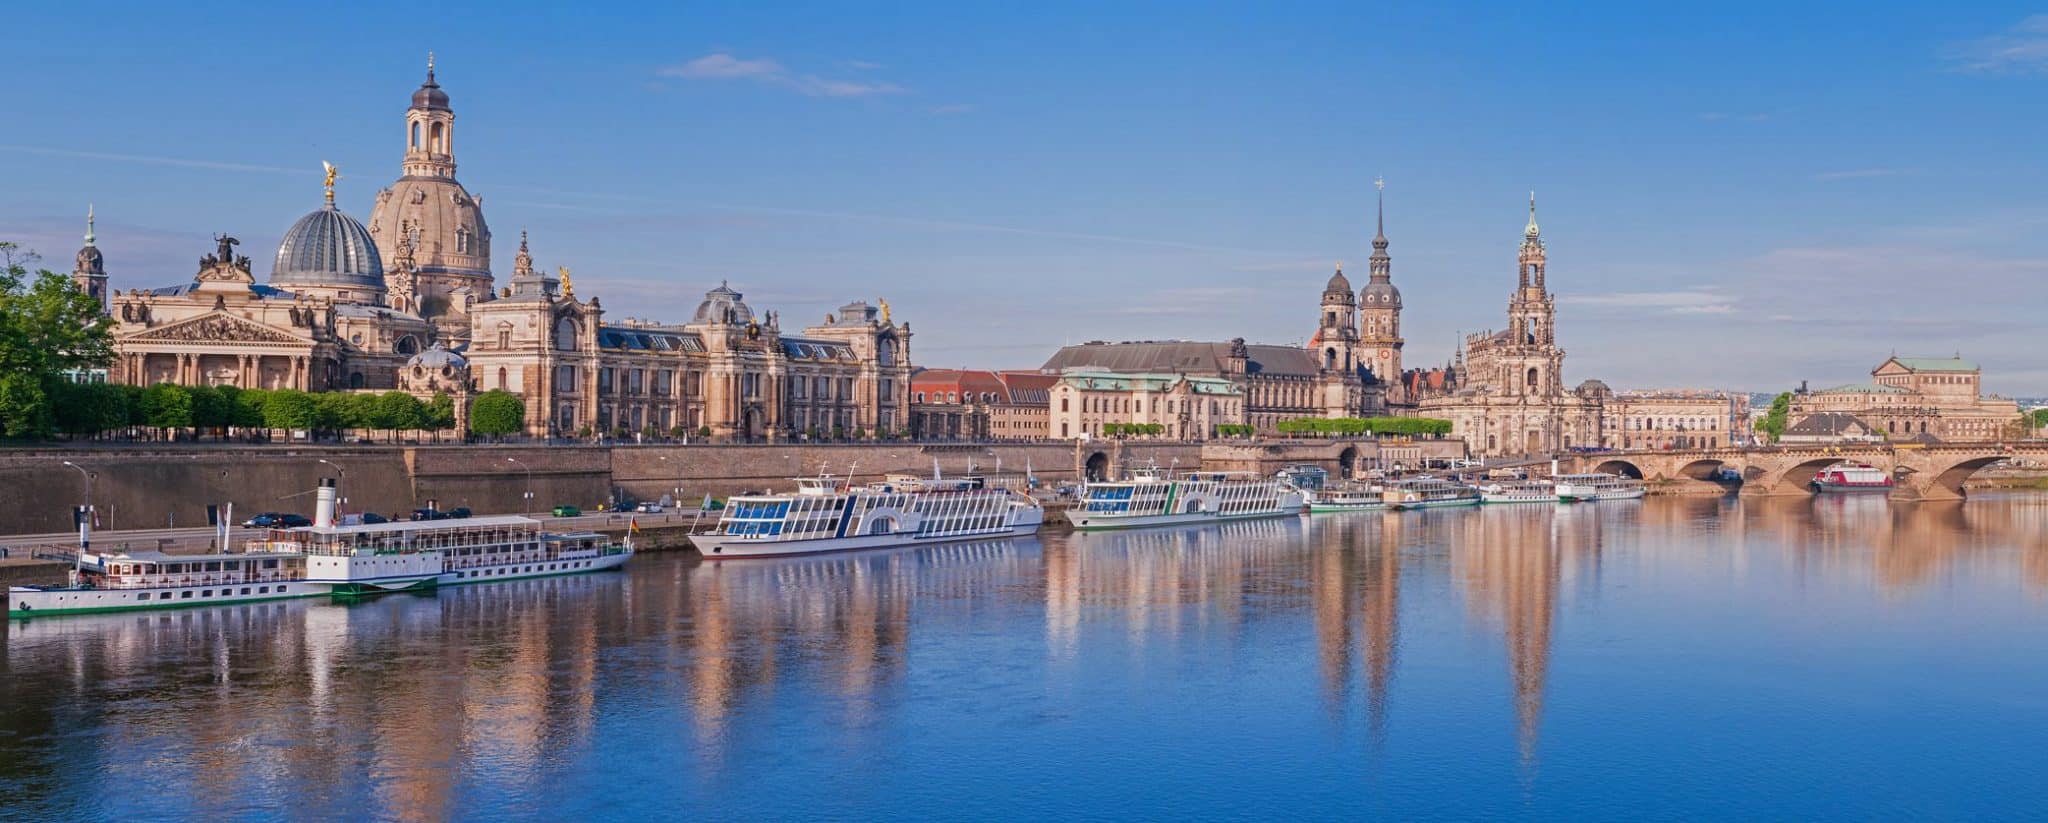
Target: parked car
[617, 508]
[649, 507]
[277, 520]
[567, 511]
[459, 512]
[373, 518]
[428, 514]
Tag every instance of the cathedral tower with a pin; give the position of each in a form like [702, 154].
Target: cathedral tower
[1531, 348]
[428, 219]
[1380, 308]
[1336, 339]
[91, 272]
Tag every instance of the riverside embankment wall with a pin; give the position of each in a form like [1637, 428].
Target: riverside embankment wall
[156, 487]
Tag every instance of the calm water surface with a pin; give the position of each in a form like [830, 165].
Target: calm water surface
[1834, 657]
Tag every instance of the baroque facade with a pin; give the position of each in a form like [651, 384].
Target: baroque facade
[1186, 407]
[1505, 394]
[408, 302]
[1908, 398]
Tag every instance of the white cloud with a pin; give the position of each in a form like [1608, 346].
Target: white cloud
[1686, 301]
[724, 66]
[2020, 49]
[1856, 174]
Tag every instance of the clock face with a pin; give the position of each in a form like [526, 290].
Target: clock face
[1386, 352]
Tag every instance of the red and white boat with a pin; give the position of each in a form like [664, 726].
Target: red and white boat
[1852, 477]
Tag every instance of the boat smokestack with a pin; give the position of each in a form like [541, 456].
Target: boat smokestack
[323, 514]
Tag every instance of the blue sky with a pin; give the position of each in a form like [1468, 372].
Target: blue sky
[1733, 196]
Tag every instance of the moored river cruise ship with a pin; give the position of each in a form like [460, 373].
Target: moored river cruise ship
[1851, 477]
[1430, 493]
[824, 514]
[1580, 488]
[1150, 498]
[325, 559]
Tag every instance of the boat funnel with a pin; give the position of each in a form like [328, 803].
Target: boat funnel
[323, 515]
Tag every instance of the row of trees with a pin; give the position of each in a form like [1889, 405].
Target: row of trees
[1408, 426]
[1235, 430]
[96, 409]
[1133, 429]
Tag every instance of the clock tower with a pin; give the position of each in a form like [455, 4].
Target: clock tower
[1379, 312]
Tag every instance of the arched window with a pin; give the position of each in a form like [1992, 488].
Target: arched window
[565, 335]
[414, 142]
[1533, 380]
[501, 378]
[438, 138]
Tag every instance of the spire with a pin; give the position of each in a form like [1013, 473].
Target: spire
[1531, 232]
[88, 224]
[522, 263]
[430, 68]
[1379, 241]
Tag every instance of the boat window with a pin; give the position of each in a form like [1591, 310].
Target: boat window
[142, 596]
[185, 595]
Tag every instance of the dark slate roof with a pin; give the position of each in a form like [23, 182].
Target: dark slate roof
[798, 348]
[1157, 357]
[1828, 423]
[654, 340]
[260, 290]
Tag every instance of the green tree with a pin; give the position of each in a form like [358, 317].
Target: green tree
[24, 407]
[393, 411]
[89, 409]
[167, 406]
[210, 409]
[247, 408]
[496, 413]
[440, 413]
[291, 410]
[1772, 426]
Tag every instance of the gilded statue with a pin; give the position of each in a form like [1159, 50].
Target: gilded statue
[885, 311]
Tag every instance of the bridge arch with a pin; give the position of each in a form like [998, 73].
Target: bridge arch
[1347, 462]
[1620, 467]
[1947, 483]
[1799, 477]
[1095, 467]
[1701, 469]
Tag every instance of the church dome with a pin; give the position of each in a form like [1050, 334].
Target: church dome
[1380, 295]
[328, 248]
[722, 305]
[430, 95]
[436, 358]
[1339, 284]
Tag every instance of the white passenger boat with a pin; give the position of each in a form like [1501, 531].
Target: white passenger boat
[124, 581]
[1346, 498]
[1519, 491]
[825, 515]
[1577, 488]
[1151, 498]
[1429, 493]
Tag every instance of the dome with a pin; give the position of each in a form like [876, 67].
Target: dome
[430, 95]
[90, 261]
[1339, 284]
[1594, 388]
[722, 305]
[437, 357]
[328, 248]
[1380, 295]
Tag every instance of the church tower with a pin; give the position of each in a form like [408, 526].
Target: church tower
[429, 220]
[1336, 339]
[1531, 348]
[1380, 308]
[91, 272]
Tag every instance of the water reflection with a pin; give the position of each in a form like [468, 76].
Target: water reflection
[766, 687]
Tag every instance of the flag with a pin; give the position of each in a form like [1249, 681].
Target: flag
[632, 525]
[707, 501]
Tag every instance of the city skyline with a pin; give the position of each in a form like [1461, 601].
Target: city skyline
[1752, 239]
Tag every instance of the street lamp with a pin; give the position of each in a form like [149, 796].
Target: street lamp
[527, 506]
[84, 520]
[341, 484]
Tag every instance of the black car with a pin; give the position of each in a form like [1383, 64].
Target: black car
[428, 514]
[459, 512]
[373, 518]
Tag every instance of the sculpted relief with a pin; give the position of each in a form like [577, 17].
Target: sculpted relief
[219, 328]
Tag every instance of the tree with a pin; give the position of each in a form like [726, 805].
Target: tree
[497, 413]
[88, 409]
[1772, 426]
[167, 406]
[291, 410]
[395, 410]
[24, 407]
[210, 409]
[440, 412]
[247, 408]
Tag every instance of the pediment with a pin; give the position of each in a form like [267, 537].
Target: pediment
[216, 327]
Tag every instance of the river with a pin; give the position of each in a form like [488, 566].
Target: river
[1669, 658]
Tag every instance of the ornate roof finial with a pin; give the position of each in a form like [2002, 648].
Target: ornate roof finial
[568, 288]
[88, 224]
[332, 173]
[430, 67]
[1531, 231]
[1380, 183]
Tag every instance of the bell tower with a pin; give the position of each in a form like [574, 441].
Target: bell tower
[91, 272]
[430, 131]
[1532, 312]
[1335, 342]
[1380, 306]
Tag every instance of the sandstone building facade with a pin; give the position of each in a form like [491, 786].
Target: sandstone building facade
[1907, 398]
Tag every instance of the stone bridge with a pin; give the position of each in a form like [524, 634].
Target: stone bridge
[1921, 472]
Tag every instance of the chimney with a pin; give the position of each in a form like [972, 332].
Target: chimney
[323, 515]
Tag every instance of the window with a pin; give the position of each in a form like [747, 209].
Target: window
[501, 377]
[142, 596]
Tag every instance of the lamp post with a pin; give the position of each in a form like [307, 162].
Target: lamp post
[84, 520]
[341, 484]
[527, 505]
